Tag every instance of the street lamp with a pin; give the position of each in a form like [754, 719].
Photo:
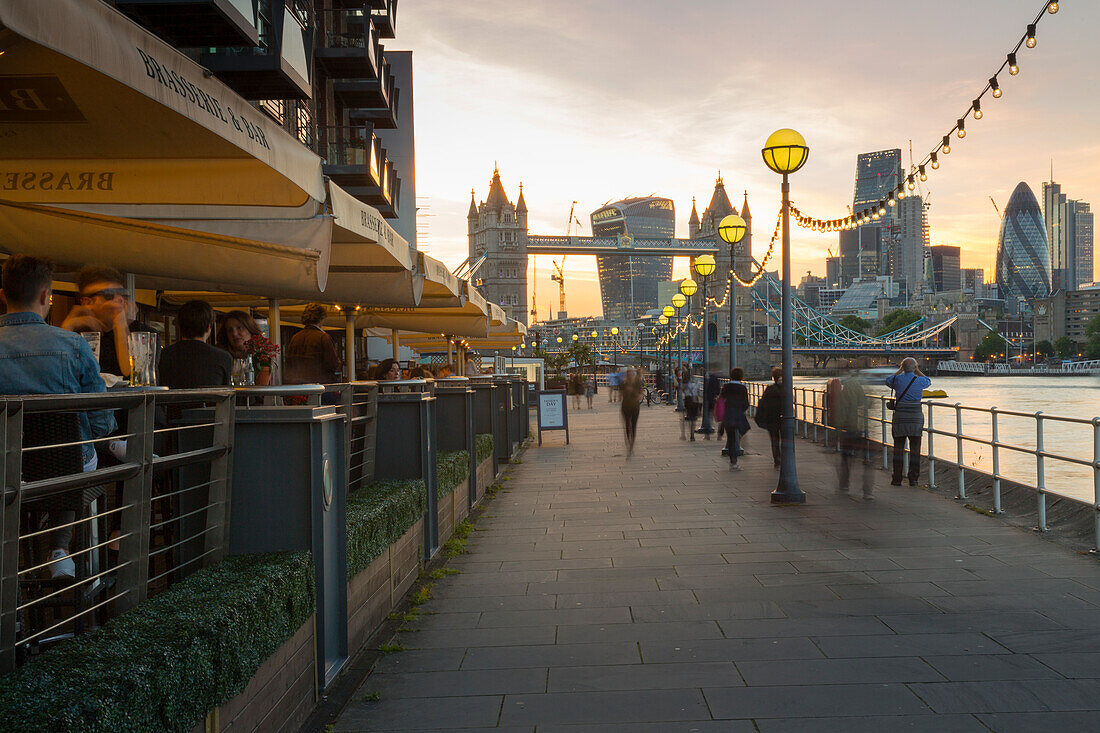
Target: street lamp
[704, 268]
[668, 312]
[689, 287]
[732, 230]
[785, 152]
[678, 302]
[614, 356]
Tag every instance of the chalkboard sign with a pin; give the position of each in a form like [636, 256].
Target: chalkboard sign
[553, 413]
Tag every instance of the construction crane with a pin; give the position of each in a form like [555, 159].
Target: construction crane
[559, 275]
[995, 207]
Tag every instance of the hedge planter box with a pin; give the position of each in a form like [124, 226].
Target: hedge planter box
[485, 476]
[376, 591]
[281, 695]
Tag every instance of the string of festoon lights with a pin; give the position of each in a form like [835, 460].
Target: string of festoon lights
[932, 161]
[718, 304]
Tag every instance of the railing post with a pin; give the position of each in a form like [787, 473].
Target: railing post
[996, 461]
[1040, 473]
[885, 445]
[931, 454]
[959, 450]
[219, 494]
[814, 393]
[1096, 479]
[12, 425]
[133, 555]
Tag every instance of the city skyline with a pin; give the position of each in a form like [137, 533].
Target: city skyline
[567, 133]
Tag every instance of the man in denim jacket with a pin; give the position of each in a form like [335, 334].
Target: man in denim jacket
[36, 358]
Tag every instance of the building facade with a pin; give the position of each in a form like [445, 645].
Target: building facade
[497, 229]
[628, 285]
[319, 70]
[946, 272]
[1069, 235]
[1066, 313]
[893, 245]
[1083, 239]
[1023, 257]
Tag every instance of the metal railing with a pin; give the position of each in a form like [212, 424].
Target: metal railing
[355, 145]
[1000, 445]
[154, 509]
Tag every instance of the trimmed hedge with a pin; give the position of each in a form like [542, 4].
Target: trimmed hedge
[483, 446]
[378, 515]
[452, 467]
[162, 665]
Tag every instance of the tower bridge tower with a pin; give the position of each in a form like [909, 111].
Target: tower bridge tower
[498, 228]
[706, 227]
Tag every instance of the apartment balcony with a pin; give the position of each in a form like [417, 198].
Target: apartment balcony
[354, 160]
[373, 101]
[280, 68]
[384, 15]
[195, 23]
[347, 46]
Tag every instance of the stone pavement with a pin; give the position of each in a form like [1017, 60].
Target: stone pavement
[664, 593]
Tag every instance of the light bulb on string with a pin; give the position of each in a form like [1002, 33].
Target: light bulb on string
[946, 145]
[901, 192]
[923, 175]
[995, 87]
[1031, 40]
[935, 161]
[977, 106]
[1052, 7]
[962, 129]
[1013, 67]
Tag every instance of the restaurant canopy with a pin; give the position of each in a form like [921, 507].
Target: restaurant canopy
[116, 147]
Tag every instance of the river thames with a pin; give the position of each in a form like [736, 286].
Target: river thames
[1073, 397]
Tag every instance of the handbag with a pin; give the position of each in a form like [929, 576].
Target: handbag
[892, 404]
[719, 409]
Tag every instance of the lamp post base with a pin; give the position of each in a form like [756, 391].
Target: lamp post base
[705, 431]
[781, 496]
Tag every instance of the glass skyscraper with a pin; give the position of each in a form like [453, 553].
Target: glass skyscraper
[1023, 256]
[628, 285]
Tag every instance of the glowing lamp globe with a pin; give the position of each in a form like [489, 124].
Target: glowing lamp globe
[704, 265]
[594, 334]
[785, 151]
[663, 320]
[575, 337]
[559, 339]
[732, 229]
[689, 287]
[668, 311]
[614, 330]
[679, 300]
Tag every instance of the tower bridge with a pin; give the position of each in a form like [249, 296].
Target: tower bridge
[623, 244]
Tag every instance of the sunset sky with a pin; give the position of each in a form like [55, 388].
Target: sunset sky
[592, 101]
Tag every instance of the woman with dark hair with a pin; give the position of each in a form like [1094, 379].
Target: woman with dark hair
[237, 329]
[311, 356]
[387, 370]
[769, 412]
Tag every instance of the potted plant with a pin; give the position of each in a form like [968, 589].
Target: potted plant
[263, 353]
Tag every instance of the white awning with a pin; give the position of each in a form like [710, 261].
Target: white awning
[115, 147]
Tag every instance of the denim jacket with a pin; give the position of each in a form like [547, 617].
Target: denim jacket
[36, 358]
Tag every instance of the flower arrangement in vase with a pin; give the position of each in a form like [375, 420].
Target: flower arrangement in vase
[263, 353]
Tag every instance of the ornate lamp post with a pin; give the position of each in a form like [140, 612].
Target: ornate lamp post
[689, 288]
[785, 152]
[732, 230]
[704, 268]
[668, 313]
[678, 302]
[614, 356]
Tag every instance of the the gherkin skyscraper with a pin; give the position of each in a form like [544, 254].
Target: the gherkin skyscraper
[1023, 254]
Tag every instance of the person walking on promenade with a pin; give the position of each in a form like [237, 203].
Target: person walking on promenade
[769, 412]
[848, 415]
[631, 395]
[908, 383]
[575, 384]
[589, 389]
[734, 400]
[712, 387]
[692, 404]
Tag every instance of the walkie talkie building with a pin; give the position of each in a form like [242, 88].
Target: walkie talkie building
[628, 285]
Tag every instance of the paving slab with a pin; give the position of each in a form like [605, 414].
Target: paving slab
[663, 592]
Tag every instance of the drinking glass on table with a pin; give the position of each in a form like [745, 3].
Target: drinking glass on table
[143, 367]
[242, 375]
